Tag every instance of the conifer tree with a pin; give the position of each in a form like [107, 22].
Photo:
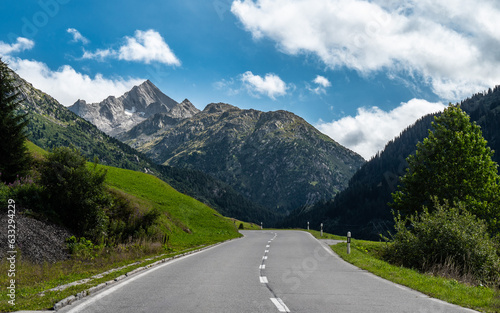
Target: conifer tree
[14, 159]
[454, 164]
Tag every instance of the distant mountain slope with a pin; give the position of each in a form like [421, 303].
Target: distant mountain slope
[274, 158]
[116, 115]
[52, 124]
[362, 207]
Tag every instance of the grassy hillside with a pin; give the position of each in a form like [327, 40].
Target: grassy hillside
[187, 221]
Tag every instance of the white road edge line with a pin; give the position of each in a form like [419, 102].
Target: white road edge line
[80, 306]
[263, 279]
[329, 250]
[280, 305]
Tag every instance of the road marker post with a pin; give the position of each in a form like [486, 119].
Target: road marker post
[348, 242]
[321, 229]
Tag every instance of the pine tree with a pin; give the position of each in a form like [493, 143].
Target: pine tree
[14, 159]
[454, 164]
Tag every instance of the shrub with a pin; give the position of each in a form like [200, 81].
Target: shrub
[80, 248]
[27, 194]
[128, 218]
[75, 193]
[449, 236]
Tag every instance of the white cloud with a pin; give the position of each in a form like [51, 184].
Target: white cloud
[20, 45]
[146, 46]
[77, 36]
[322, 83]
[99, 54]
[271, 85]
[67, 85]
[451, 45]
[369, 131]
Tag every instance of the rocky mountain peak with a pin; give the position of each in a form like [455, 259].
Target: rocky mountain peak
[118, 115]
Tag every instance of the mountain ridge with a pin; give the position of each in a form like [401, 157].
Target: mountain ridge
[275, 158]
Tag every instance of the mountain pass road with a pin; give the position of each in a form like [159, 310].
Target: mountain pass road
[265, 271]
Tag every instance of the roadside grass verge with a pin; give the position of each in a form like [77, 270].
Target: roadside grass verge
[368, 256]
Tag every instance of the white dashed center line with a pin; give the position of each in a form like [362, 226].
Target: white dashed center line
[280, 305]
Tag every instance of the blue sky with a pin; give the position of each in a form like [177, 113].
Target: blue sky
[360, 71]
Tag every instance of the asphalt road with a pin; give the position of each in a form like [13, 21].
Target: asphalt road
[266, 271]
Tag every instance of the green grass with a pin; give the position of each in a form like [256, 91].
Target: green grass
[35, 150]
[188, 223]
[317, 234]
[367, 255]
[246, 225]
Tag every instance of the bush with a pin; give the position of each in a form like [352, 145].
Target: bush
[129, 219]
[447, 237]
[80, 248]
[26, 193]
[75, 193]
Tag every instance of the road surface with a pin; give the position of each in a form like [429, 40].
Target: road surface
[266, 271]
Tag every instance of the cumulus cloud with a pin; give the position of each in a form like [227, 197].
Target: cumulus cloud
[322, 81]
[271, 85]
[67, 85]
[437, 42]
[321, 84]
[21, 44]
[369, 131]
[146, 46]
[77, 36]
